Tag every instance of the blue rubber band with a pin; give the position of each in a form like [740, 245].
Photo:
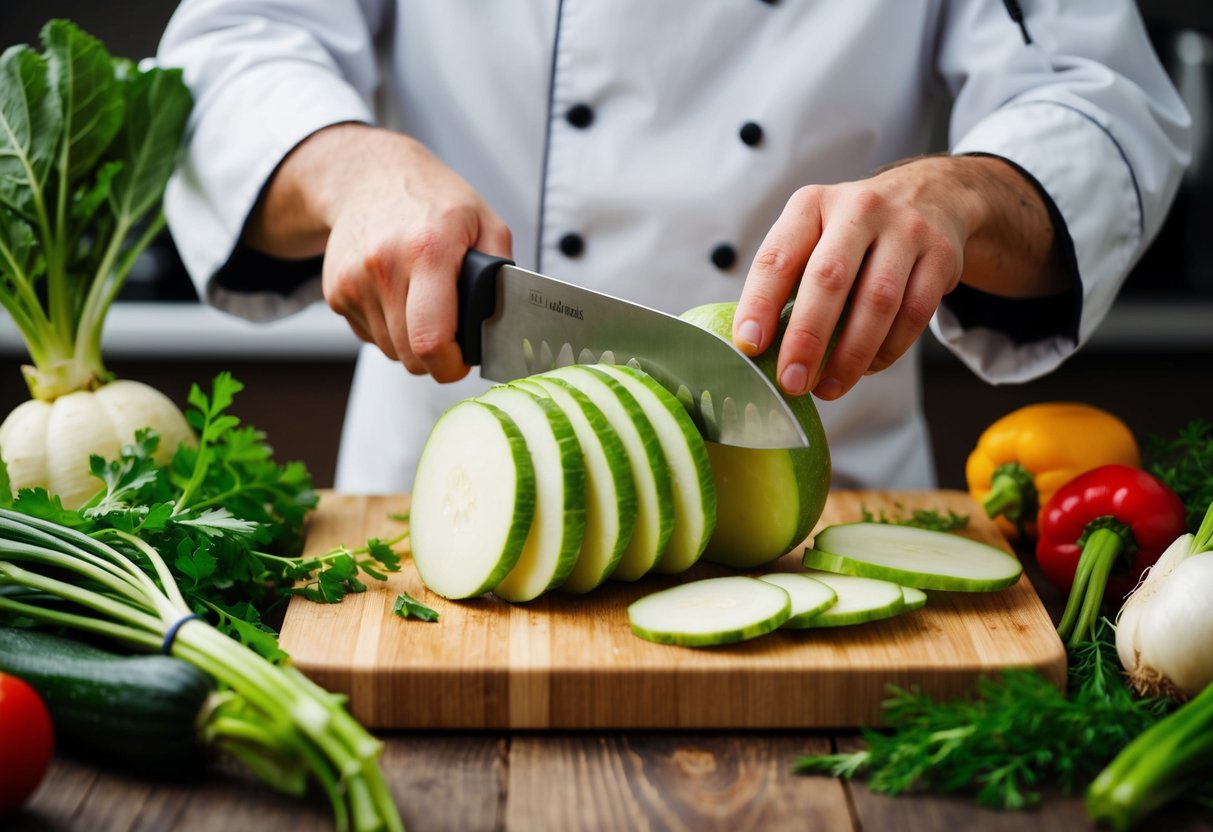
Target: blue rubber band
[171, 635]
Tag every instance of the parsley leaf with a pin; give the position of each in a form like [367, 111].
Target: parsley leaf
[407, 606]
[920, 517]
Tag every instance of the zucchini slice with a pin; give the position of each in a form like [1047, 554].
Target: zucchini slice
[473, 500]
[650, 471]
[914, 598]
[709, 612]
[610, 504]
[859, 600]
[911, 556]
[810, 597]
[556, 530]
[690, 468]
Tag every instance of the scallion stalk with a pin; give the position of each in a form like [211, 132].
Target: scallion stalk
[279, 722]
[1161, 764]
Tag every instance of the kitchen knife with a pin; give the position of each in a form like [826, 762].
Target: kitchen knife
[516, 323]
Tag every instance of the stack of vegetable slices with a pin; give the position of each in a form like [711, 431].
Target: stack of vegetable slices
[859, 572]
[561, 480]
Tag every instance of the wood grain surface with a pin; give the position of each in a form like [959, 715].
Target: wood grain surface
[571, 662]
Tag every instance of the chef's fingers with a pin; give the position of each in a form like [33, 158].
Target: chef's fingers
[777, 268]
[824, 289]
[495, 237]
[350, 282]
[934, 275]
[875, 300]
[431, 317]
[431, 314]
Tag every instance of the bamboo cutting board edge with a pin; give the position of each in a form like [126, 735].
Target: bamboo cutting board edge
[491, 665]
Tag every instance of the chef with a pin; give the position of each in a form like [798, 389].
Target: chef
[678, 152]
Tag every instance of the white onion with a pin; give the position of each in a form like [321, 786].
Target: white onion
[1165, 628]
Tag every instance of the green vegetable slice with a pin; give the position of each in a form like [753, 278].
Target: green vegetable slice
[914, 598]
[709, 612]
[810, 597]
[559, 519]
[650, 471]
[690, 469]
[860, 600]
[610, 504]
[913, 557]
[473, 500]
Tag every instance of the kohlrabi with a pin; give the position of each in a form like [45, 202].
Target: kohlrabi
[87, 144]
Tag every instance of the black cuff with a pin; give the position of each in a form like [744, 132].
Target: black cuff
[1024, 320]
[252, 271]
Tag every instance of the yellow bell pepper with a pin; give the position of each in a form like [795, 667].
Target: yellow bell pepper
[1025, 456]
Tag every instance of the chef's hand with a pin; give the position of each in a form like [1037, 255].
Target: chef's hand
[393, 223]
[889, 248]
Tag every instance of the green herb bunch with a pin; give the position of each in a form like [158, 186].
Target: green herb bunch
[228, 518]
[1185, 463]
[1016, 735]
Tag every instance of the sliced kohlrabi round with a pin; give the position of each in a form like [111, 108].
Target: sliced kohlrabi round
[556, 531]
[859, 600]
[914, 598]
[911, 556]
[810, 597]
[473, 501]
[690, 469]
[650, 471]
[610, 505]
[709, 612]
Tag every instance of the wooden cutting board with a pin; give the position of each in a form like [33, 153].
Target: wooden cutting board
[572, 662]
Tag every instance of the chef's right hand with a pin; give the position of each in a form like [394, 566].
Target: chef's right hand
[394, 224]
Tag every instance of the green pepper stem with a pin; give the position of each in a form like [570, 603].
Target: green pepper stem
[1099, 554]
[1005, 498]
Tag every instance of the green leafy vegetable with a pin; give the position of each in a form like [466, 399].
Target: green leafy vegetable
[1185, 463]
[407, 606]
[214, 533]
[1017, 733]
[87, 144]
[228, 518]
[920, 517]
[114, 584]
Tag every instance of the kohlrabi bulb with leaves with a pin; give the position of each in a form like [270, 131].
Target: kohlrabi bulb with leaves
[77, 206]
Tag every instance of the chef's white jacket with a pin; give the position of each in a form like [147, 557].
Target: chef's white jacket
[632, 145]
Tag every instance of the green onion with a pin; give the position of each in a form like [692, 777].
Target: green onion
[125, 591]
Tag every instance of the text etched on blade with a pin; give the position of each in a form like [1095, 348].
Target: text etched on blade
[537, 298]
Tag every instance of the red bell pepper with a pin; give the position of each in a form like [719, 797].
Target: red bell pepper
[1102, 530]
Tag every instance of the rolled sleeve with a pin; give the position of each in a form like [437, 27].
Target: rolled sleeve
[265, 76]
[1046, 140]
[1087, 111]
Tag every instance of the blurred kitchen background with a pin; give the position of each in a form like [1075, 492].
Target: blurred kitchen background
[1151, 362]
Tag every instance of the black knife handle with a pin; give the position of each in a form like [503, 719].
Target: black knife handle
[477, 291]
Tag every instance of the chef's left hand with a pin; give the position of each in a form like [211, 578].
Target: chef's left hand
[888, 249]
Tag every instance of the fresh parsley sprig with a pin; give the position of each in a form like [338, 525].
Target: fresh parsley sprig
[228, 518]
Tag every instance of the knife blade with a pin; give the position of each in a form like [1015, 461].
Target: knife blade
[515, 323]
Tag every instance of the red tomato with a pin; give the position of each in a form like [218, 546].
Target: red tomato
[26, 742]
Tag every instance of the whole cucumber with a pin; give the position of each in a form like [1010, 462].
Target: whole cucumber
[143, 713]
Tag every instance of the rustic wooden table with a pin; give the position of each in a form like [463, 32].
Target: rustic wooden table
[472, 782]
[560, 781]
